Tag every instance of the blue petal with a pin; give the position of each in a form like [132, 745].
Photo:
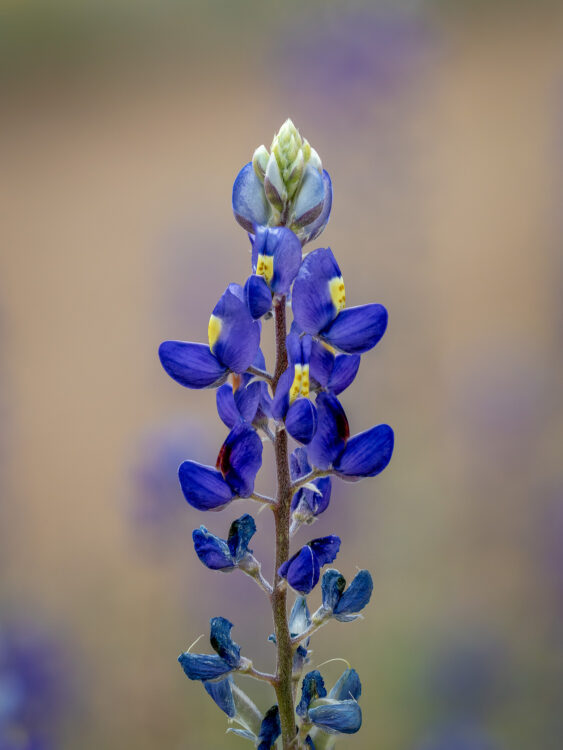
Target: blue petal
[222, 695]
[222, 642]
[293, 346]
[240, 459]
[203, 666]
[191, 365]
[345, 369]
[270, 729]
[332, 586]
[312, 303]
[309, 742]
[204, 488]
[301, 420]
[348, 686]
[313, 687]
[300, 617]
[308, 204]
[280, 403]
[301, 571]
[322, 363]
[312, 503]
[258, 296]
[241, 532]
[213, 552]
[357, 329]
[344, 717]
[239, 336]
[366, 454]
[312, 230]
[250, 206]
[299, 464]
[287, 258]
[331, 434]
[226, 406]
[356, 596]
[325, 549]
[247, 400]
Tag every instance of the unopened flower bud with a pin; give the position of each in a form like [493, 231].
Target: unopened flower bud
[274, 187]
[260, 161]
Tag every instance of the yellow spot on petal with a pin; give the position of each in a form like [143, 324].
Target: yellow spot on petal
[214, 330]
[265, 266]
[295, 389]
[305, 382]
[337, 292]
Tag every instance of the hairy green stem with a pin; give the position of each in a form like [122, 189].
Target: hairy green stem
[282, 514]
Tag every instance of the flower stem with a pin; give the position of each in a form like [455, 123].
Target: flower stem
[282, 512]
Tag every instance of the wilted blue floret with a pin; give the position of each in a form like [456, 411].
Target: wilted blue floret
[318, 299]
[209, 667]
[348, 686]
[270, 729]
[276, 255]
[222, 695]
[238, 463]
[250, 206]
[313, 687]
[344, 717]
[345, 604]
[302, 571]
[363, 455]
[306, 503]
[233, 345]
[218, 554]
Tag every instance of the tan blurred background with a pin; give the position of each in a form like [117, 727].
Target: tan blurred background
[123, 127]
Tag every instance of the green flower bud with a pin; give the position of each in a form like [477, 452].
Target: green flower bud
[274, 186]
[260, 161]
[295, 174]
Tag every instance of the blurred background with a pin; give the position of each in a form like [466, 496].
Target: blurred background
[124, 124]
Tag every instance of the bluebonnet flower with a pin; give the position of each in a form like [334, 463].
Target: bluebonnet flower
[240, 405]
[227, 658]
[222, 693]
[339, 713]
[302, 571]
[344, 604]
[234, 338]
[289, 183]
[312, 500]
[350, 458]
[276, 257]
[318, 307]
[291, 401]
[238, 463]
[225, 555]
[331, 371]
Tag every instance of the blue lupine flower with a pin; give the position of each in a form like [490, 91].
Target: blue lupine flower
[218, 554]
[270, 729]
[258, 296]
[234, 338]
[318, 300]
[227, 658]
[302, 571]
[340, 713]
[345, 605]
[363, 455]
[306, 503]
[250, 205]
[330, 372]
[276, 257]
[222, 694]
[240, 405]
[238, 463]
[291, 401]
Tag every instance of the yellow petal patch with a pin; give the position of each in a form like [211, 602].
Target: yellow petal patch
[305, 381]
[296, 385]
[214, 330]
[337, 292]
[265, 266]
